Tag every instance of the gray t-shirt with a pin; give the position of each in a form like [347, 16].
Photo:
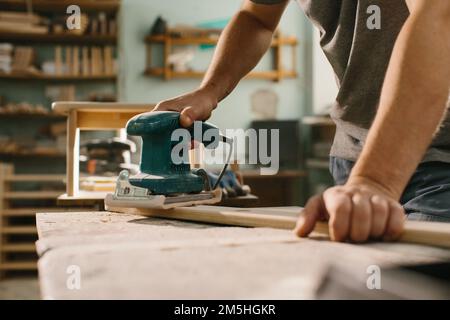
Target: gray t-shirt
[359, 57]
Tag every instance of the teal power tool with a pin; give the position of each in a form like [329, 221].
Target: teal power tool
[166, 179]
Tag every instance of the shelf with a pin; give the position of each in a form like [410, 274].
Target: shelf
[32, 195]
[168, 41]
[27, 212]
[318, 163]
[186, 41]
[25, 265]
[22, 247]
[282, 174]
[31, 115]
[264, 75]
[46, 77]
[57, 38]
[33, 154]
[60, 6]
[36, 177]
[19, 230]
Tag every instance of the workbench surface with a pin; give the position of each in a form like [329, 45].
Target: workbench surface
[134, 257]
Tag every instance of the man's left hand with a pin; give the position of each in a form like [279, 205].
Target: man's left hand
[357, 211]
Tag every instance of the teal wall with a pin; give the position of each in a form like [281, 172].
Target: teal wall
[137, 17]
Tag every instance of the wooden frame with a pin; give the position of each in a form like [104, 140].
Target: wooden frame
[9, 245]
[91, 116]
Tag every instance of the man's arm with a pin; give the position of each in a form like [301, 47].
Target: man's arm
[241, 45]
[413, 99]
[412, 105]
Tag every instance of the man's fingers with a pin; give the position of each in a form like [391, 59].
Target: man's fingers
[380, 213]
[395, 224]
[361, 218]
[311, 213]
[190, 114]
[168, 105]
[339, 207]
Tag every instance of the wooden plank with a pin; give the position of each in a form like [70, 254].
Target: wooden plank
[427, 233]
[64, 107]
[85, 62]
[58, 60]
[31, 195]
[57, 38]
[104, 120]
[186, 41]
[5, 169]
[35, 177]
[76, 60]
[51, 77]
[26, 265]
[264, 75]
[21, 247]
[19, 230]
[30, 212]
[60, 6]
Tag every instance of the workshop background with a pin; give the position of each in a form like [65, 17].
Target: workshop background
[116, 57]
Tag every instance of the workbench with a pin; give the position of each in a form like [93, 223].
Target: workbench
[126, 256]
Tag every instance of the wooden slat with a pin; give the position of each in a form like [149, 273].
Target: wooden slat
[26, 265]
[33, 154]
[60, 6]
[19, 230]
[57, 38]
[211, 40]
[42, 76]
[264, 75]
[30, 212]
[103, 120]
[32, 194]
[35, 177]
[19, 212]
[22, 247]
[65, 107]
[426, 233]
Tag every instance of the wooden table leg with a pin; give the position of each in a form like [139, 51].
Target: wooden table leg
[73, 152]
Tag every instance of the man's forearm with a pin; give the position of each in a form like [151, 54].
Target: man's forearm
[412, 103]
[241, 45]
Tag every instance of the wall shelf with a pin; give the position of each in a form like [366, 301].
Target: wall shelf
[50, 6]
[62, 38]
[7, 115]
[23, 265]
[264, 75]
[19, 230]
[47, 77]
[33, 154]
[169, 40]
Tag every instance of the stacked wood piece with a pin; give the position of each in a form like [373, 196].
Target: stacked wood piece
[22, 22]
[85, 61]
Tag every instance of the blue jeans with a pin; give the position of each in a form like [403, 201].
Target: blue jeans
[427, 195]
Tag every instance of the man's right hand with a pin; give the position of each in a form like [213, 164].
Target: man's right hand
[196, 105]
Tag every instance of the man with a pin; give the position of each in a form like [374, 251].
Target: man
[394, 80]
